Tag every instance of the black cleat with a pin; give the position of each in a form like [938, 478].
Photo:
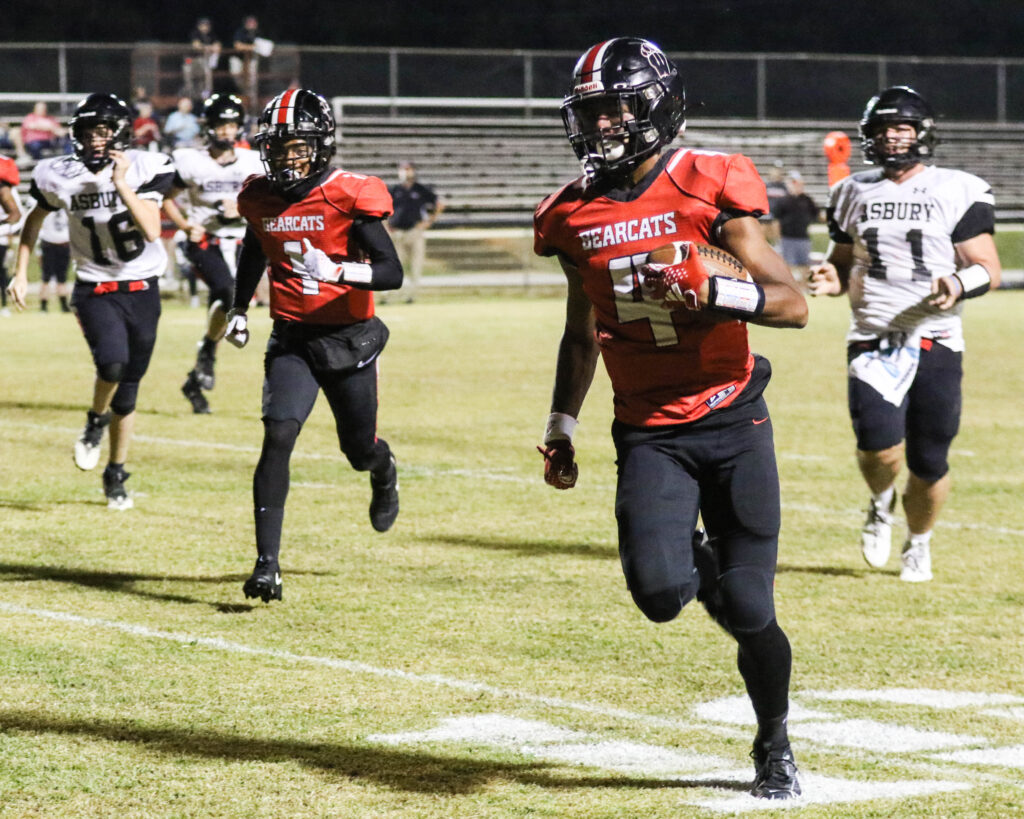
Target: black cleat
[265, 581]
[384, 503]
[194, 393]
[87, 447]
[709, 593]
[113, 487]
[775, 772]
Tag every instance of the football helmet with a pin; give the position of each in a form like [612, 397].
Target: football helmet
[219, 109]
[100, 109]
[895, 105]
[632, 83]
[295, 114]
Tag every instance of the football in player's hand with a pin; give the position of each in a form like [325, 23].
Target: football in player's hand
[716, 261]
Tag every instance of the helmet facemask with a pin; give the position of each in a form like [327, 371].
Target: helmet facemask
[92, 148]
[221, 110]
[898, 105]
[611, 133]
[289, 158]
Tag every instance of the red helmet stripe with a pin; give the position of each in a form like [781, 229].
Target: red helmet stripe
[592, 62]
[285, 112]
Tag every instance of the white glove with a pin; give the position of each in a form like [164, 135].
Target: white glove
[319, 265]
[237, 331]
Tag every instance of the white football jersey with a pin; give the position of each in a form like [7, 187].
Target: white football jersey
[903, 236]
[55, 228]
[208, 183]
[105, 242]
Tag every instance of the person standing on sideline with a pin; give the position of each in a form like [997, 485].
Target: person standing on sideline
[910, 242]
[211, 178]
[54, 260]
[181, 127]
[322, 231]
[416, 209]
[10, 210]
[112, 195]
[692, 433]
[795, 212]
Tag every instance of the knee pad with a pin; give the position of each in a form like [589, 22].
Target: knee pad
[927, 459]
[123, 402]
[112, 373]
[222, 294]
[366, 459]
[665, 605]
[280, 434]
[747, 597]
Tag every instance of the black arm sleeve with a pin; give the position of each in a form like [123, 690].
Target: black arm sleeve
[251, 264]
[371, 236]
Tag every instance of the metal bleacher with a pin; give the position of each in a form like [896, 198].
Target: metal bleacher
[493, 171]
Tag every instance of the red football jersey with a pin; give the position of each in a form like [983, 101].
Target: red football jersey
[9, 172]
[666, 366]
[324, 217]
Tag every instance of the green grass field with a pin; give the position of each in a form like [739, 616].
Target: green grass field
[483, 658]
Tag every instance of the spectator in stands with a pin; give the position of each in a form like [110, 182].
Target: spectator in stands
[40, 133]
[794, 212]
[182, 126]
[205, 42]
[6, 142]
[416, 209]
[145, 131]
[246, 34]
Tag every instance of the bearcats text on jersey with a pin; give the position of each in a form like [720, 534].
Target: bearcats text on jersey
[631, 230]
[285, 224]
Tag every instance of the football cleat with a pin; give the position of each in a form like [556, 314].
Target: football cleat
[265, 581]
[709, 593]
[204, 367]
[114, 477]
[775, 774]
[194, 393]
[917, 563]
[87, 447]
[384, 503]
[876, 536]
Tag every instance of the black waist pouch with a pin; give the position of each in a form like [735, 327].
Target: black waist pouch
[351, 347]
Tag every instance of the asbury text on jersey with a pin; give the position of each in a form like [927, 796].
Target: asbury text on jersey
[105, 242]
[207, 183]
[666, 367]
[324, 216]
[903, 236]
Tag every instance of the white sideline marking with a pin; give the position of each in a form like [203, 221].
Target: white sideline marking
[498, 476]
[1008, 757]
[927, 697]
[1005, 713]
[353, 666]
[738, 711]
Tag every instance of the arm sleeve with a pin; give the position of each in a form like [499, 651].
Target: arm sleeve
[251, 264]
[45, 203]
[980, 218]
[371, 236]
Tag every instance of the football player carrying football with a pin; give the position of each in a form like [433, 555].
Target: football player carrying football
[112, 196]
[910, 242]
[691, 430]
[322, 231]
[211, 178]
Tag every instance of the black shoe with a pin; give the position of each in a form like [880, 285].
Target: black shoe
[204, 367]
[384, 503]
[265, 582]
[194, 393]
[709, 592]
[775, 772]
[114, 477]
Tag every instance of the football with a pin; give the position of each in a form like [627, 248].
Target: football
[716, 261]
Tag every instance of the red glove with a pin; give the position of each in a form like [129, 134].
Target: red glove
[675, 284]
[560, 469]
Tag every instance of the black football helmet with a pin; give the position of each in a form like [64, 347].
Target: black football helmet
[219, 109]
[898, 104]
[295, 114]
[100, 109]
[626, 75]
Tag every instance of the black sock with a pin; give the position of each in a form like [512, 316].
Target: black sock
[268, 532]
[42, 306]
[765, 660]
[208, 347]
[64, 306]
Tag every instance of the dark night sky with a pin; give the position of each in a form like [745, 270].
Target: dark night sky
[910, 27]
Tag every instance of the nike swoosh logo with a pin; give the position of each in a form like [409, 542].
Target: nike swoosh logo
[759, 420]
[277, 578]
[361, 364]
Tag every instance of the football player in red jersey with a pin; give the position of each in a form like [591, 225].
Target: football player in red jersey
[691, 428]
[322, 232]
[10, 217]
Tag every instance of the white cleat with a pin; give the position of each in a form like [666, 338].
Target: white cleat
[917, 563]
[876, 536]
[87, 447]
[120, 504]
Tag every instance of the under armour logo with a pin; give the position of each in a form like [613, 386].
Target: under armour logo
[920, 190]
